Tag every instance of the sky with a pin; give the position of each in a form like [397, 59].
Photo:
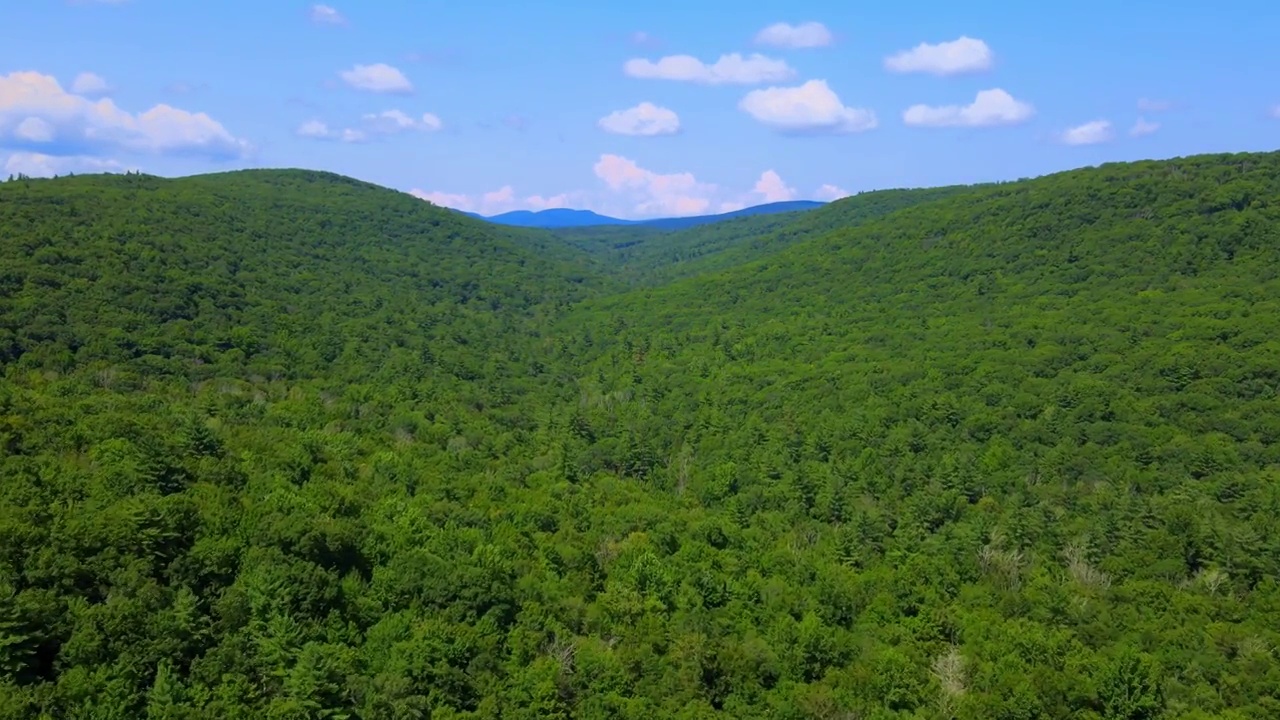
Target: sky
[647, 109]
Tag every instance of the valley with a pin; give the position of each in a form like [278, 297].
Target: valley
[283, 444]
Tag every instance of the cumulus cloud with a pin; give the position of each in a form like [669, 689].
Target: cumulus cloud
[653, 193]
[89, 84]
[377, 78]
[989, 107]
[771, 187]
[35, 130]
[732, 69]
[831, 192]
[390, 122]
[1143, 127]
[326, 15]
[39, 165]
[804, 35]
[645, 119]
[962, 55]
[1090, 133]
[809, 108]
[387, 122]
[494, 202]
[630, 190]
[313, 129]
[318, 130]
[38, 115]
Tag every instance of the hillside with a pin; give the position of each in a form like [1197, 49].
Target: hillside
[651, 255]
[281, 444]
[1008, 431]
[681, 223]
[193, 272]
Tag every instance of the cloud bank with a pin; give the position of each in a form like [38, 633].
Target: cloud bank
[629, 190]
[37, 115]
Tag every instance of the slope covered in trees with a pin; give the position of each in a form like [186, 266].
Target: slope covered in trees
[284, 445]
[654, 255]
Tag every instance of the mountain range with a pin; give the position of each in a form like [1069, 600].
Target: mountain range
[564, 217]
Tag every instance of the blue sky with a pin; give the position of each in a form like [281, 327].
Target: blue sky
[628, 108]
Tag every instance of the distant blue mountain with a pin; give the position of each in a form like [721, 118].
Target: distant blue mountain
[554, 218]
[678, 223]
[564, 217]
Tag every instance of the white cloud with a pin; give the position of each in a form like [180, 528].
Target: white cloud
[314, 129]
[378, 78]
[39, 165]
[37, 114]
[628, 190]
[804, 35]
[831, 193]
[989, 107]
[655, 194]
[87, 83]
[318, 130]
[962, 55]
[1090, 133]
[1151, 105]
[729, 69]
[1143, 127]
[326, 15]
[772, 188]
[645, 119]
[35, 130]
[443, 199]
[808, 108]
[390, 122]
[387, 122]
[494, 202]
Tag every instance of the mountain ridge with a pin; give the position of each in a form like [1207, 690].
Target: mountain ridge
[554, 218]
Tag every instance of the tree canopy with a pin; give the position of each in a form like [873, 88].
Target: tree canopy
[281, 444]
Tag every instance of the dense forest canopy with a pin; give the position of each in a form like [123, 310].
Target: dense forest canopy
[281, 444]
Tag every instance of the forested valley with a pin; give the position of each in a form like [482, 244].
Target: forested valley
[282, 444]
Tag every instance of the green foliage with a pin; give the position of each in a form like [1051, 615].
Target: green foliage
[279, 444]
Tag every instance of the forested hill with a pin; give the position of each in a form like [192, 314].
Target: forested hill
[278, 272]
[653, 256]
[278, 444]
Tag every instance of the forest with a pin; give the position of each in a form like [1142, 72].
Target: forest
[282, 444]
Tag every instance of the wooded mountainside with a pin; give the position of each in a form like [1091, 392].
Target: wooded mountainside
[281, 444]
